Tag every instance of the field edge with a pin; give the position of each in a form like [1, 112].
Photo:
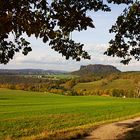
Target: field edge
[75, 132]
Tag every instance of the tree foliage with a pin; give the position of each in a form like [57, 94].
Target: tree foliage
[127, 35]
[55, 21]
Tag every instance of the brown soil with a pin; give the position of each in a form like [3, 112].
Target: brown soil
[117, 131]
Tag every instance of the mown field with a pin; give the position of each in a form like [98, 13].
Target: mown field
[33, 115]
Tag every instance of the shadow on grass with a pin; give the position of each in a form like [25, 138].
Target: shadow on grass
[133, 133]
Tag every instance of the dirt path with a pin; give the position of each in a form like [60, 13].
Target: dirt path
[114, 131]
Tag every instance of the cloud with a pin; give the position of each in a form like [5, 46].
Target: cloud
[95, 41]
[46, 58]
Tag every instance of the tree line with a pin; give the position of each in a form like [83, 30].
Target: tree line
[67, 86]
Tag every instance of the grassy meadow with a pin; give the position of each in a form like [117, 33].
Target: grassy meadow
[34, 115]
[119, 83]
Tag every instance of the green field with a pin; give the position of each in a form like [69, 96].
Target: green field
[126, 84]
[31, 115]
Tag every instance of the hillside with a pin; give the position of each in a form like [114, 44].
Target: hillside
[29, 71]
[96, 69]
[122, 84]
[119, 84]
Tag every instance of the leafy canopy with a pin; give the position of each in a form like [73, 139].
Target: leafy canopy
[54, 22]
[127, 35]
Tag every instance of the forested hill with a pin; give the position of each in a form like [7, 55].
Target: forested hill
[29, 71]
[96, 69]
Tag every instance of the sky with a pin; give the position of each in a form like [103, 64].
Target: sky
[95, 43]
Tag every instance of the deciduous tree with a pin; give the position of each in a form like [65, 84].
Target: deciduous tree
[55, 21]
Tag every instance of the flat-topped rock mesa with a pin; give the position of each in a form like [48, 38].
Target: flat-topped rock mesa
[96, 69]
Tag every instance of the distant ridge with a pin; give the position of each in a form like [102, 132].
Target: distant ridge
[96, 69]
[30, 71]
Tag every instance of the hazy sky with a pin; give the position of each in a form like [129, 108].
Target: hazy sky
[95, 40]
